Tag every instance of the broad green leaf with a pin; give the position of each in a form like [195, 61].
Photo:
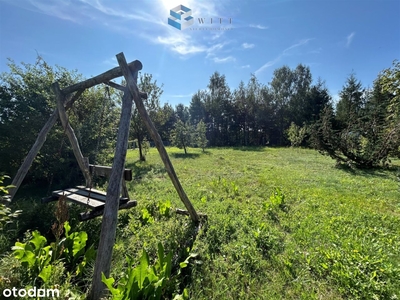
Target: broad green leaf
[142, 269]
[67, 228]
[45, 273]
[109, 284]
[37, 239]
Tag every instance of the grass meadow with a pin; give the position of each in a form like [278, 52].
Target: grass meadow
[282, 223]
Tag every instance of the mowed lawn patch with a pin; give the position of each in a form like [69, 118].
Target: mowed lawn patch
[282, 224]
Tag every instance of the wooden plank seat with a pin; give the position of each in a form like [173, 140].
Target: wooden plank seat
[92, 198]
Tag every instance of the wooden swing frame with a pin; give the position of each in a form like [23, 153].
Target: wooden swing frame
[65, 98]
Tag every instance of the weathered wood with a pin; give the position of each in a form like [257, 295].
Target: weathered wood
[110, 215]
[86, 196]
[96, 213]
[104, 77]
[41, 138]
[124, 190]
[186, 213]
[71, 134]
[123, 88]
[98, 170]
[73, 195]
[157, 139]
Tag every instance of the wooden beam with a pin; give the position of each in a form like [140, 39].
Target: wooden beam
[102, 78]
[71, 134]
[41, 138]
[130, 81]
[110, 215]
[96, 213]
[123, 88]
[106, 172]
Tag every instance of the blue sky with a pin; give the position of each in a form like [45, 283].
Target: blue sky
[332, 37]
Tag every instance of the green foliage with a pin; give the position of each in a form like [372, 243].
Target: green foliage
[181, 135]
[389, 79]
[152, 104]
[74, 248]
[145, 281]
[296, 134]
[258, 242]
[27, 101]
[35, 257]
[164, 208]
[200, 135]
[359, 133]
[38, 258]
[6, 214]
[361, 263]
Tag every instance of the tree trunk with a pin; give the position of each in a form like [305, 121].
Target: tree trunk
[141, 156]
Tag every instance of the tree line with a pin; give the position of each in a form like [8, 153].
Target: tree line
[362, 128]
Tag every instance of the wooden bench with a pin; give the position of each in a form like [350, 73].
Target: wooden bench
[92, 198]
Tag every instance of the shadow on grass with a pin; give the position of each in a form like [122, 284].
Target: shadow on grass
[141, 168]
[187, 155]
[375, 172]
[249, 148]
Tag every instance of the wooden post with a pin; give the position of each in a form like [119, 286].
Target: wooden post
[41, 138]
[156, 137]
[110, 216]
[71, 134]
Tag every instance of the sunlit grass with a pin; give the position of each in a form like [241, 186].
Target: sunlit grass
[336, 225]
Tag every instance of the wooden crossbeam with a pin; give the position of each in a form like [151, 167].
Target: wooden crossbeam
[95, 213]
[104, 77]
[105, 171]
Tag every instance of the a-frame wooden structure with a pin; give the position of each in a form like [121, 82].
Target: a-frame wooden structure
[65, 98]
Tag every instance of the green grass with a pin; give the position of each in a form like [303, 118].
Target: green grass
[281, 224]
[336, 234]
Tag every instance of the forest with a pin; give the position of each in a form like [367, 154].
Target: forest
[266, 139]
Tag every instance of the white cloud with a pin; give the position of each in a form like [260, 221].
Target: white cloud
[267, 65]
[179, 96]
[349, 39]
[302, 42]
[258, 26]
[180, 43]
[247, 46]
[147, 20]
[224, 60]
[245, 67]
[283, 53]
